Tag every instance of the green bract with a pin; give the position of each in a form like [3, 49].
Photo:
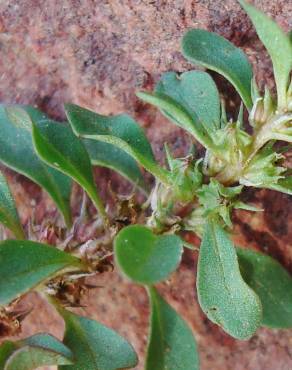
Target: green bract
[145, 257]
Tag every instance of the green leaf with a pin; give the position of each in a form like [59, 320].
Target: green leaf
[197, 93]
[179, 115]
[218, 54]
[223, 295]
[33, 352]
[272, 283]
[25, 264]
[172, 345]
[57, 145]
[17, 152]
[144, 257]
[8, 213]
[121, 131]
[108, 155]
[283, 185]
[278, 45]
[95, 346]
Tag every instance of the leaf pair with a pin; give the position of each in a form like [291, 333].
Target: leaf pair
[216, 53]
[92, 347]
[146, 259]
[95, 346]
[49, 154]
[191, 101]
[244, 291]
[120, 131]
[18, 153]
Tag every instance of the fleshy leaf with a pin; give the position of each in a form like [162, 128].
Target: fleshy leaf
[121, 131]
[95, 346]
[8, 213]
[101, 154]
[17, 152]
[172, 345]
[218, 54]
[57, 145]
[272, 283]
[179, 115]
[25, 264]
[33, 352]
[144, 257]
[196, 92]
[278, 45]
[108, 155]
[223, 295]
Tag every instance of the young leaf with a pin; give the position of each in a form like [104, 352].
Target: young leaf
[8, 213]
[121, 131]
[57, 146]
[25, 264]
[95, 346]
[223, 295]
[33, 352]
[179, 115]
[108, 155]
[196, 92]
[272, 283]
[278, 45]
[144, 257]
[17, 152]
[218, 54]
[172, 345]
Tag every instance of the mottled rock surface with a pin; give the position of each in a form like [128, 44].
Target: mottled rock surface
[97, 54]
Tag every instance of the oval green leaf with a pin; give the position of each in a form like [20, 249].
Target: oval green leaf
[171, 345]
[144, 257]
[279, 47]
[218, 54]
[8, 213]
[223, 295]
[33, 352]
[17, 152]
[121, 131]
[95, 346]
[56, 145]
[272, 283]
[25, 264]
[197, 93]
